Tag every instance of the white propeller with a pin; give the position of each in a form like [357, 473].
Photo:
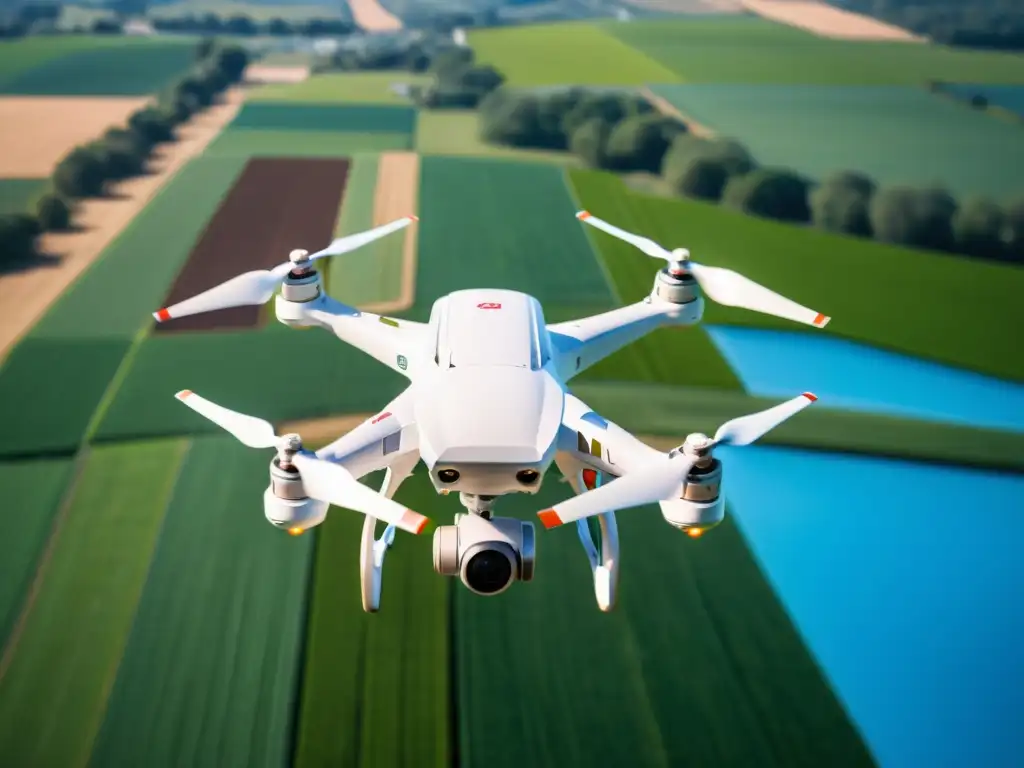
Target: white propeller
[724, 286]
[322, 480]
[259, 286]
[665, 480]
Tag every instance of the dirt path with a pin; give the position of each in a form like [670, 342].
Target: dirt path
[667, 108]
[829, 21]
[269, 74]
[374, 17]
[37, 131]
[692, 7]
[25, 296]
[397, 195]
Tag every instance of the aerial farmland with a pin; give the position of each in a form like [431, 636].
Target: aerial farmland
[853, 609]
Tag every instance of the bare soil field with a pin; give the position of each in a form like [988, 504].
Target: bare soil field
[36, 131]
[25, 296]
[694, 7]
[276, 205]
[373, 17]
[268, 74]
[666, 108]
[829, 21]
[396, 195]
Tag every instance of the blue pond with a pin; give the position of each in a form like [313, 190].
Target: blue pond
[860, 378]
[907, 584]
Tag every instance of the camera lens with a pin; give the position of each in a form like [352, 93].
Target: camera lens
[488, 571]
[448, 475]
[527, 476]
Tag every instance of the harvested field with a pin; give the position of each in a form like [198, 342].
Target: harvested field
[343, 87]
[351, 118]
[248, 142]
[828, 21]
[394, 265]
[32, 491]
[818, 269]
[161, 233]
[258, 73]
[255, 372]
[17, 195]
[56, 675]
[377, 689]
[36, 132]
[225, 665]
[276, 205]
[374, 17]
[895, 134]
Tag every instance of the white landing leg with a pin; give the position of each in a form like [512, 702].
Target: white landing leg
[371, 550]
[604, 561]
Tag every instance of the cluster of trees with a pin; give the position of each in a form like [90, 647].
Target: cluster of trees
[243, 26]
[405, 54]
[458, 82]
[624, 133]
[122, 152]
[997, 24]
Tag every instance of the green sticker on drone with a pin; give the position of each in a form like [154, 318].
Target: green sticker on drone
[402, 362]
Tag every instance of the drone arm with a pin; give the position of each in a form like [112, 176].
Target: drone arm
[580, 344]
[391, 342]
[600, 444]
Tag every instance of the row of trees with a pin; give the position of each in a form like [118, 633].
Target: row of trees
[122, 152]
[623, 133]
[458, 82]
[244, 26]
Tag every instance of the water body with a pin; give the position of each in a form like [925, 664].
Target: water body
[844, 374]
[907, 583]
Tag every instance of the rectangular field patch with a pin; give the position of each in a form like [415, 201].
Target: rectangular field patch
[209, 673]
[456, 132]
[897, 135]
[344, 88]
[275, 206]
[349, 118]
[58, 676]
[50, 388]
[252, 142]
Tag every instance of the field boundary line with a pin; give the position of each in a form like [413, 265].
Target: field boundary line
[665, 107]
[42, 566]
[114, 385]
[595, 252]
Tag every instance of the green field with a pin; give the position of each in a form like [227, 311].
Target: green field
[545, 679]
[289, 143]
[257, 11]
[753, 50]
[340, 88]
[245, 371]
[350, 118]
[54, 692]
[895, 134]
[24, 54]
[116, 69]
[456, 132]
[218, 630]
[376, 688]
[32, 491]
[889, 297]
[563, 54]
[17, 195]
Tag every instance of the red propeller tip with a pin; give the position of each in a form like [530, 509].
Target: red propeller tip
[549, 518]
[810, 396]
[162, 315]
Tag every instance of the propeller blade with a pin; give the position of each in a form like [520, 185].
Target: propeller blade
[331, 482]
[646, 245]
[645, 486]
[746, 429]
[250, 288]
[250, 431]
[351, 242]
[734, 290]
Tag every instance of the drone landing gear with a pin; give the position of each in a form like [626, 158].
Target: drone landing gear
[372, 549]
[604, 560]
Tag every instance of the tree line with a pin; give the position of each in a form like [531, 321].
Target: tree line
[623, 132]
[122, 152]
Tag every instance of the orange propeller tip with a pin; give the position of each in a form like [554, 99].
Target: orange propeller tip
[161, 315]
[549, 518]
[415, 218]
[183, 394]
[821, 320]
[583, 215]
[810, 396]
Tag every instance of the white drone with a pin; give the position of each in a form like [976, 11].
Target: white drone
[488, 411]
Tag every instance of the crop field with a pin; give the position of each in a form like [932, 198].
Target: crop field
[1008, 97]
[595, 689]
[752, 50]
[32, 491]
[906, 313]
[376, 689]
[17, 195]
[344, 276]
[257, 11]
[342, 88]
[218, 630]
[248, 142]
[456, 133]
[57, 677]
[563, 54]
[350, 118]
[895, 134]
[24, 54]
[112, 70]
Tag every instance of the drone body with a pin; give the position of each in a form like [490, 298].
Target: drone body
[488, 411]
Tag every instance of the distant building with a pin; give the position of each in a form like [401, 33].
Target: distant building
[459, 36]
[138, 27]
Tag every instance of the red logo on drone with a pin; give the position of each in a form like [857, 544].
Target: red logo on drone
[381, 417]
[489, 305]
